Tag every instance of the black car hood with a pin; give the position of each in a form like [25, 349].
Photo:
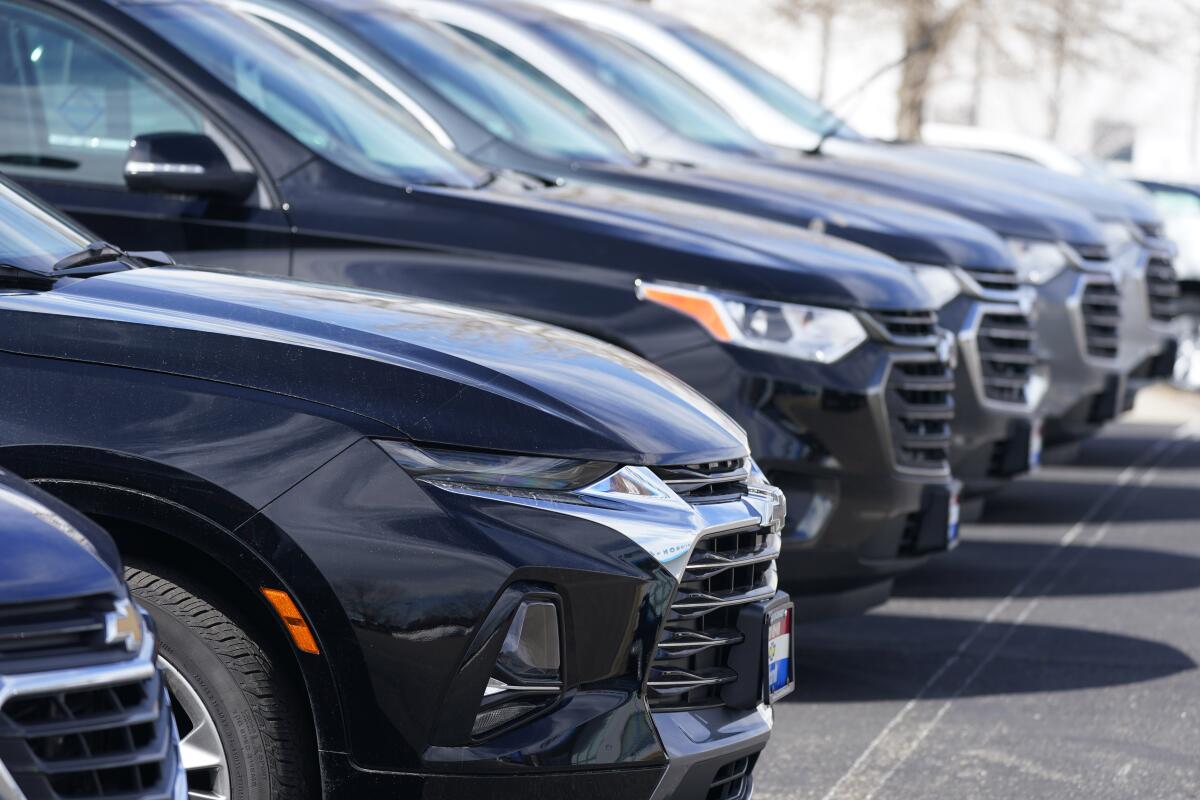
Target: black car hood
[1009, 211]
[903, 231]
[684, 242]
[431, 372]
[49, 552]
[1106, 201]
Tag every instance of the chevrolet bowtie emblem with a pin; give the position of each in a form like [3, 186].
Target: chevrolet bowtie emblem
[946, 350]
[123, 625]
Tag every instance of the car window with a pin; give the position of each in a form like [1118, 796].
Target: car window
[327, 111]
[32, 235]
[1176, 204]
[650, 85]
[532, 73]
[69, 105]
[488, 90]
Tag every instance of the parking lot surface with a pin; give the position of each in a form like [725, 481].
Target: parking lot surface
[1052, 655]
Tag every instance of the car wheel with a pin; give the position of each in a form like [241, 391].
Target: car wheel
[238, 737]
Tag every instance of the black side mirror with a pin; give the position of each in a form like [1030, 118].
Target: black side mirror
[184, 163]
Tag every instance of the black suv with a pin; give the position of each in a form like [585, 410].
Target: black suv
[394, 547]
[83, 710]
[254, 154]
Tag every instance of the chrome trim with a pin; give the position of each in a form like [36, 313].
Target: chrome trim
[972, 358]
[641, 506]
[496, 686]
[138, 668]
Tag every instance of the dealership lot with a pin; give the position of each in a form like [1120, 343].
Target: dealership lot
[1052, 655]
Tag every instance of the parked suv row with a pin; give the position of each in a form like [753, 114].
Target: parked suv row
[528, 392]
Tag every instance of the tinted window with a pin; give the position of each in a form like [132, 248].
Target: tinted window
[487, 90]
[31, 235]
[69, 105]
[655, 89]
[329, 112]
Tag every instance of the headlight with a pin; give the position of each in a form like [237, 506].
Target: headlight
[496, 470]
[809, 333]
[1038, 262]
[1117, 236]
[941, 284]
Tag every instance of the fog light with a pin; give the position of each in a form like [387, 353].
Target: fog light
[531, 650]
[528, 673]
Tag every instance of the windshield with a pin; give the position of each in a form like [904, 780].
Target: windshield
[32, 236]
[487, 90]
[655, 89]
[346, 123]
[781, 95]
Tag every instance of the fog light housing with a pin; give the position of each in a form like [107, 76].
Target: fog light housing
[531, 651]
[528, 674]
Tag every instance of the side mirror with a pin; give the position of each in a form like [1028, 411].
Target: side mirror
[184, 163]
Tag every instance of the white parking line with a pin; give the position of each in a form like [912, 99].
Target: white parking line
[903, 734]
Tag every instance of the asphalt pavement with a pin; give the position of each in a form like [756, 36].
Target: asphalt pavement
[1052, 655]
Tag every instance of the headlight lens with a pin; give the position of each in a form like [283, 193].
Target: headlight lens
[496, 470]
[1117, 236]
[1038, 262]
[810, 333]
[941, 284]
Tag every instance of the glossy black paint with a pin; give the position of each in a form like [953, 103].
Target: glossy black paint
[567, 255]
[224, 426]
[51, 551]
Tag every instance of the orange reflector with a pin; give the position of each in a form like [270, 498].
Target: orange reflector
[285, 607]
[701, 309]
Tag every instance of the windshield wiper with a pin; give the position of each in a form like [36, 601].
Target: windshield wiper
[105, 253]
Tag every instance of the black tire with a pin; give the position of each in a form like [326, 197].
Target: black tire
[248, 697]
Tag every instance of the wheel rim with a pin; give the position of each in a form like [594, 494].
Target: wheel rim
[200, 749]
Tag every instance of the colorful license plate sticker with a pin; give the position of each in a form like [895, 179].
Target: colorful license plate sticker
[953, 517]
[1035, 445]
[779, 653]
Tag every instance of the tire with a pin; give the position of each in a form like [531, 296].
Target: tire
[221, 680]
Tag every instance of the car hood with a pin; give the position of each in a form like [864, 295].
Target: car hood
[662, 238]
[430, 372]
[48, 554]
[1008, 210]
[1106, 201]
[904, 231]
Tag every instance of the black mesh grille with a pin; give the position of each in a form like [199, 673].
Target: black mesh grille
[101, 742]
[1007, 356]
[37, 637]
[921, 406]
[1162, 289]
[725, 573]
[1102, 318]
[904, 325]
[732, 781]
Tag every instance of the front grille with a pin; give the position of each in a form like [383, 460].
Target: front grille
[712, 482]
[36, 637]
[1007, 356]
[732, 781]
[1162, 289]
[904, 326]
[921, 406]
[95, 742]
[726, 572]
[1102, 317]
[995, 279]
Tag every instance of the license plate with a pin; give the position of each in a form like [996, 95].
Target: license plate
[1035, 445]
[952, 517]
[780, 678]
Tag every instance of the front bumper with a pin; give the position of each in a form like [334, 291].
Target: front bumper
[829, 436]
[421, 603]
